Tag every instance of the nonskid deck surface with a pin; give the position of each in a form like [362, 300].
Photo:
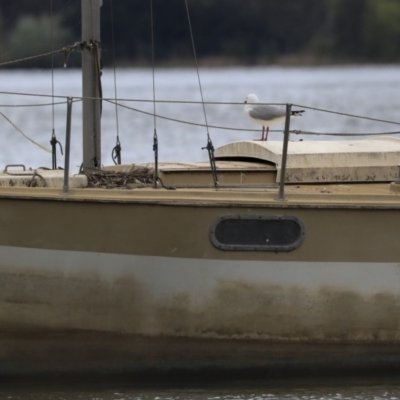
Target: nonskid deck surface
[333, 194]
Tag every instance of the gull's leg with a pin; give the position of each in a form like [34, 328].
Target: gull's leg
[262, 133]
[266, 135]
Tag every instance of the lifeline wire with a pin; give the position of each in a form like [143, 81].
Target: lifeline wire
[32, 105]
[249, 130]
[70, 48]
[296, 131]
[348, 115]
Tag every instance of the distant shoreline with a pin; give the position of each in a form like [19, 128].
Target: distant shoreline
[225, 62]
[219, 62]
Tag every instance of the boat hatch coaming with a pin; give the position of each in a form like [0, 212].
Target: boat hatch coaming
[277, 233]
[230, 172]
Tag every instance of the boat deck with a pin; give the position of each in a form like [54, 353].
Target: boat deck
[350, 173]
[334, 195]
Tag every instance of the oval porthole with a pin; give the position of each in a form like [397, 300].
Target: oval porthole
[257, 233]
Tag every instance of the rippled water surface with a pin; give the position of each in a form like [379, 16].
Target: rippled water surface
[288, 390]
[367, 91]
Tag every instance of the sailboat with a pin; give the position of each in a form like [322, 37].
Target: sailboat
[276, 257]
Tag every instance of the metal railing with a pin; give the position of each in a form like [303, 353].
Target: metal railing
[67, 146]
[284, 153]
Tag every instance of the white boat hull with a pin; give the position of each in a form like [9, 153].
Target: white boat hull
[166, 313]
[131, 281]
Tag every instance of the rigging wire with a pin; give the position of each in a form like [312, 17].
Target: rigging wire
[23, 134]
[197, 65]
[209, 146]
[52, 58]
[66, 50]
[155, 138]
[53, 140]
[153, 64]
[116, 152]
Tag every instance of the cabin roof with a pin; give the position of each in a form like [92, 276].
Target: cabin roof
[374, 159]
[377, 151]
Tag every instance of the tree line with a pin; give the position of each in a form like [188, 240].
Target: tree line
[236, 32]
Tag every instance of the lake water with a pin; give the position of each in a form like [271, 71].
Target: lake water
[371, 91]
[344, 389]
[367, 91]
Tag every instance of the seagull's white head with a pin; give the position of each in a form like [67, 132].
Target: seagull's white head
[251, 98]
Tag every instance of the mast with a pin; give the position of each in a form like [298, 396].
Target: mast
[91, 85]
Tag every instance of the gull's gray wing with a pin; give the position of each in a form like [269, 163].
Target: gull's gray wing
[267, 113]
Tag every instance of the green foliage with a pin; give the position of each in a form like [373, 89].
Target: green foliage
[245, 31]
[34, 36]
[250, 30]
[381, 30]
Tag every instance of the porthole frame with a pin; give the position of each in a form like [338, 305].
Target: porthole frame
[246, 247]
